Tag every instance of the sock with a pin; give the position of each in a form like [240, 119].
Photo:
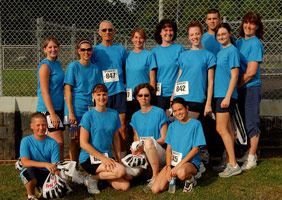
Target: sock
[31, 196]
[251, 157]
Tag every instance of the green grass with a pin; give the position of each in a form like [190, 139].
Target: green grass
[263, 182]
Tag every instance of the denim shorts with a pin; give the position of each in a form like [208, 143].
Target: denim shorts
[118, 102]
[248, 101]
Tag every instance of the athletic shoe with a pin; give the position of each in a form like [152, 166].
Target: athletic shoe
[190, 184]
[148, 187]
[249, 164]
[220, 167]
[33, 197]
[91, 185]
[202, 170]
[205, 156]
[230, 171]
[245, 157]
[77, 177]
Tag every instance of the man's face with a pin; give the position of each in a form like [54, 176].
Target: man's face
[212, 20]
[106, 32]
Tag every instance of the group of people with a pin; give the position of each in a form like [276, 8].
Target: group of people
[108, 85]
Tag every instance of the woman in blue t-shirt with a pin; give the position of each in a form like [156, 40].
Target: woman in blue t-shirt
[80, 79]
[167, 54]
[50, 91]
[225, 94]
[184, 139]
[249, 93]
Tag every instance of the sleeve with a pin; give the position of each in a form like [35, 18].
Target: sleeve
[118, 124]
[124, 56]
[133, 121]
[168, 135]
[86, 122]
[256, 52]
[182, 49]
[69, 77]
[211, 60]
[24, 148]
[152, 61]
[162, 118]
[179, 61]
[234, 59]
[55, 156]
[198, 135]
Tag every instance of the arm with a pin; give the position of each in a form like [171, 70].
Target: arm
[68, 95]
[44, 74]
[232, 84]
[163, 131]
[250, 72]
[208, 107]
[168, 162]
[179, 74]
[153, 78]
[26, 162]
[116, 143]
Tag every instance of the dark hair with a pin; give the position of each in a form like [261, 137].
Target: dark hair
[228, 28]
[195, 24]
[213, 11]
[80, 42]
[179, 100]
[141, 31]
[255, 18]
[149, 87]
[100, 88]
[37, 115]
[163, 24]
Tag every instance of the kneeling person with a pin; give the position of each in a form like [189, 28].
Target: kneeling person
[184, 139]
[39, 154]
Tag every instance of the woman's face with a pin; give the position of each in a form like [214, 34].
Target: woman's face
[195, 36]
[51, 50]
[144, 97]
[223, 36]
[180, 111]
[101, 98]
[167, 34]
[138, 40]
[249, 29]
[85, 51]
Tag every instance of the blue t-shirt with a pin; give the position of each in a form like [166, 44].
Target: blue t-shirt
[46, 150]
[149, 124]
[210, 43]
[227, 59]
[111, 58]
[101, 127]
[138, 66]
[194, 65]
[183, 137]
[250, 50]
[82, 79]
[56, 86]
[167, 63]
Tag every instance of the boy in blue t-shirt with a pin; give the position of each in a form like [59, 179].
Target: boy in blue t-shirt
[38, 153]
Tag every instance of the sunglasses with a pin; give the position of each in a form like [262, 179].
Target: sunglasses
[105, 30]
[89, 50]
[141, 95]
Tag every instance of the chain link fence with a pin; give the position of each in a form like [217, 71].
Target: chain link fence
[24, 25]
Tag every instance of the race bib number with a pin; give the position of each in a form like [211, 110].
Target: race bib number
[159, 89]
[110, 75]
[129, 94]
[176, 158]
[49, 122]
[94, 160]
[181, 88]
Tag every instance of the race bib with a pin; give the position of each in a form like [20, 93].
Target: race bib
[129, 94]
[110, 75]
[159, 89]
[181, 88]
[49, 122]
[94, 160]
[176, 158]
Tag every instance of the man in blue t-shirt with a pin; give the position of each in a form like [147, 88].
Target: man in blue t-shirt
[208, 40]
[110, 58]
[39, 154]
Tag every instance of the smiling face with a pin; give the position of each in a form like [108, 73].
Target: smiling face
[106, 32]
[167, 34]
[195, 36]
[223, 37]
[101, 98]
[85, 51]
[51, 50]
[180, 112]
[212, 21]
[39, 127]
[249, 29]
[138, 40]
[144, 97]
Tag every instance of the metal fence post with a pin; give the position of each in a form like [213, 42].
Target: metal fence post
[39, 30]
[73, 33]
[161, 10]
[1, 62]
[95, 38]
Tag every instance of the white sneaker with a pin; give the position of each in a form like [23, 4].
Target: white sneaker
[91, 185]
[205, 156]
[190, 184]
[202, 170]
[230, 171]
[249, 164]
[77, 177]
[148, 187]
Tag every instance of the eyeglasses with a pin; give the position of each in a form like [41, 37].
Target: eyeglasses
[141, 95]
[89, 50]
[107, 29]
